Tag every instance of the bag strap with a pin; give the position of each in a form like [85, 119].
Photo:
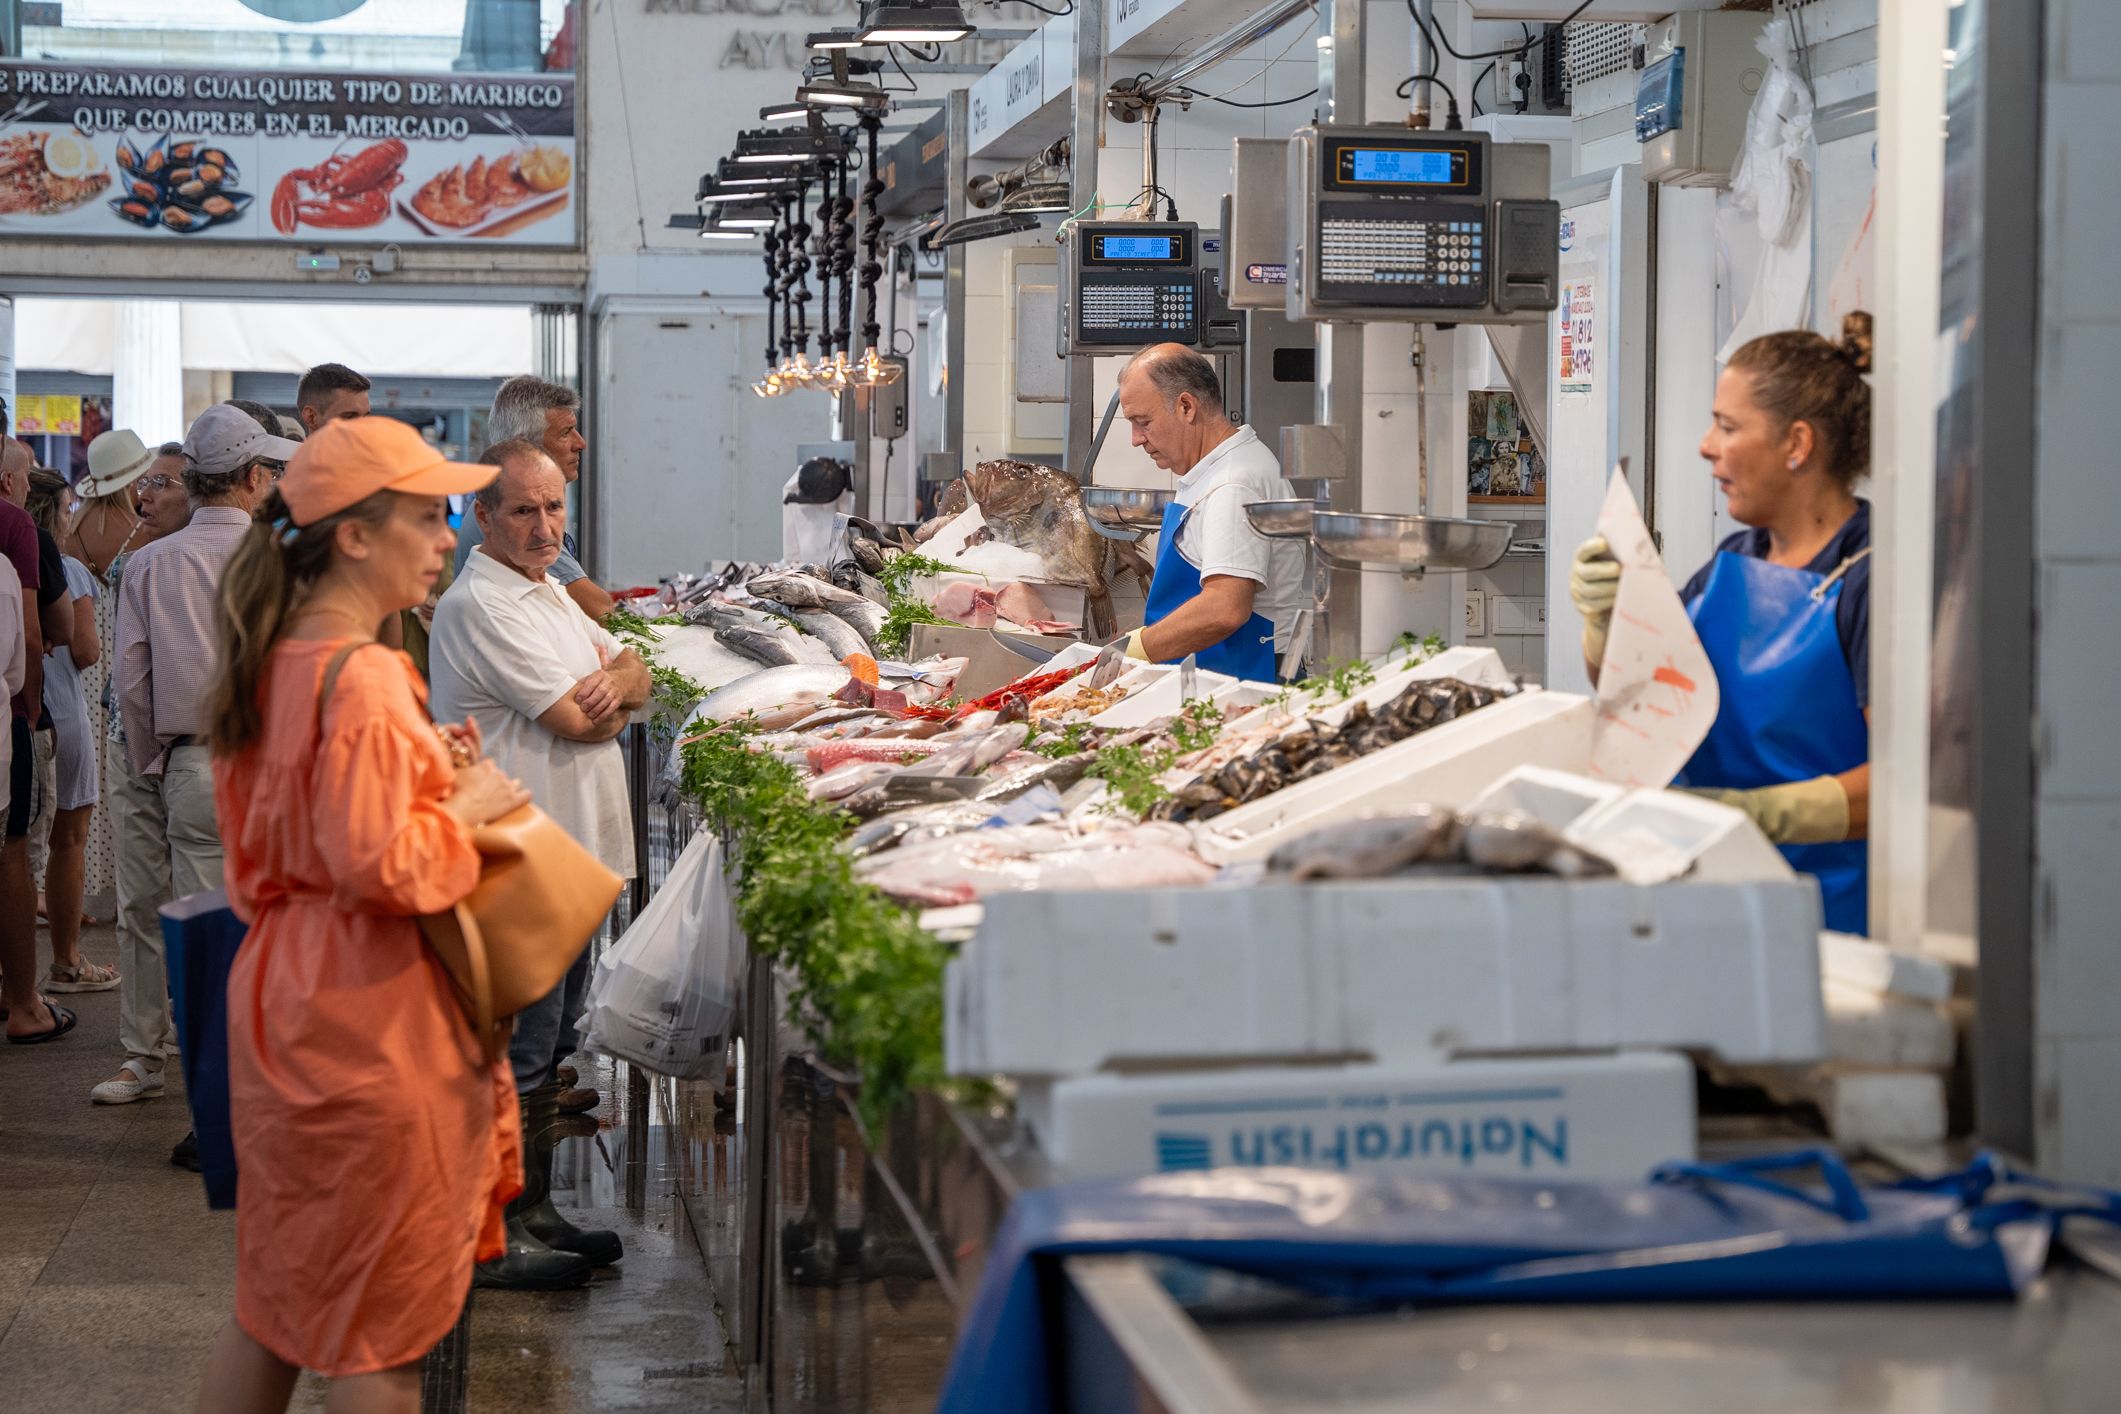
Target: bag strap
[332, 670]
[481, 978]
[1846, 1202]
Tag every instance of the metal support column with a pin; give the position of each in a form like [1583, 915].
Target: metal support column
[1340, 90]
[957, 129]
[1086, 125]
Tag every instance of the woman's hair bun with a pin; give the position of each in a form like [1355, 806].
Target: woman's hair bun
[1855, 342]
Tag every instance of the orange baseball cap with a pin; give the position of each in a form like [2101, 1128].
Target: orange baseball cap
[346, 461]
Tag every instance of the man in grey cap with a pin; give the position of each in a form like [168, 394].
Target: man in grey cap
[168, 842]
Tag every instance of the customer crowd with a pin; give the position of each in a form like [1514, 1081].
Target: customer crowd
[201, 641]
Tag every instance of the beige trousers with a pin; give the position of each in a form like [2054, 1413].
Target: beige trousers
[168, 846]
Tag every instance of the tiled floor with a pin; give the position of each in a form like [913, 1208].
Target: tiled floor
[114, 1275]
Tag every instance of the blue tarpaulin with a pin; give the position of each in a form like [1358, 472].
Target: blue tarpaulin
[1691, 1232]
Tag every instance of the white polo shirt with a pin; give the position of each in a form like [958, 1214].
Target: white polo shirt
[1217, 538]
[503, 651]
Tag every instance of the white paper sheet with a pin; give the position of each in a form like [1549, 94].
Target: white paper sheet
[1657, 694]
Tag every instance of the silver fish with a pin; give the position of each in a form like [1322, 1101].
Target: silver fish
[1371, 847]
[1510, 841]
[770, 688]
[799, 591]
[1062, 774]
[843, 781]
[864, 617]
[999, 743]
[834, 632]
[768, 648]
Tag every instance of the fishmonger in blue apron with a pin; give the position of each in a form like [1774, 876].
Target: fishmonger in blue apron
[1222, 591]
[1783, 608]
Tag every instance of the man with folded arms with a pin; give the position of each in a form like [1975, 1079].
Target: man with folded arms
[550, 690]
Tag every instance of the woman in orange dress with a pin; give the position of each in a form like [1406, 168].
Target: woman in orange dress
[375, 1144]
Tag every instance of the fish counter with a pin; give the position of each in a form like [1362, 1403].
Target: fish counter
[1124, 918]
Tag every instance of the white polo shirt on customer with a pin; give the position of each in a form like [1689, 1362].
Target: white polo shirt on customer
[503, 651]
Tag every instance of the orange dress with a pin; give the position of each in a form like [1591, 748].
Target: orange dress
[375, 1146]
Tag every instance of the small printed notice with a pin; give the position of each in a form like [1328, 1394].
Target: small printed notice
[1657, 694]
[1579, 337]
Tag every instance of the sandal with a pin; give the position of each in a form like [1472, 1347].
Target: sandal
[84, 976]
[62, 1022]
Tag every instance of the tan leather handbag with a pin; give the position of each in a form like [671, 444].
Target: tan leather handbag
[539, 898]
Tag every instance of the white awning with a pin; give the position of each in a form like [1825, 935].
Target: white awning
[442, 341]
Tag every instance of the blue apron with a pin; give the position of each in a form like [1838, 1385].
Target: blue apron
[1247, 653]
[1789, 710]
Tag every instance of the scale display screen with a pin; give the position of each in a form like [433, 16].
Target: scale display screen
[1138, 250]
[1441, 166]
[1371, 164]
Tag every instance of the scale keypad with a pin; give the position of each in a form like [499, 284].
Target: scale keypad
[1386, 252]
[1136, 308]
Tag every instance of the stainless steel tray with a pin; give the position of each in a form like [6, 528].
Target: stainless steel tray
[1282, 520]
[1126, 507]
[1410, 544]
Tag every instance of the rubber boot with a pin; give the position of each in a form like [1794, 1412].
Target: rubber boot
[542, 1219]
[531, 1263]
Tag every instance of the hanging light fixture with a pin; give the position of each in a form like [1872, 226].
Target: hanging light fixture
[913, 22]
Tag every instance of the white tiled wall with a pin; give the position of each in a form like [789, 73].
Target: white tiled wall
[2077, 980]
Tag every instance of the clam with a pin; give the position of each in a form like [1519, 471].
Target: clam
[192, 189]
[182, 174]
[218, 206]
[216, 156]
[178, 219]
[212, 172]
[155, 160]
[183, 151]
[146, 191]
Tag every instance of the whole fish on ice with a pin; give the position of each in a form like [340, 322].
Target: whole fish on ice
[834, 632]
[800, 591]
[772, 687]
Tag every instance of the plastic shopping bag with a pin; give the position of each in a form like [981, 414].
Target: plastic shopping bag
[200, 935]
[663, 994]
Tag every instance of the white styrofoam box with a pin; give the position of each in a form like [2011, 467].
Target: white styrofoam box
[1066, 984]
[1555, 799]
[1884, 1107]
[1868, 1028]
[1609, 1117]
[1483, 667]
[1150, 698]
[1876, 967]
[1447, 765]
[1655, 835]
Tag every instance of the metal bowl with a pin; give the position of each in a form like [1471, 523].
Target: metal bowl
[1129, 507]
[1410, 543]
[1282, 520]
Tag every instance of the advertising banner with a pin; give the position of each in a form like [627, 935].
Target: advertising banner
[258, 155]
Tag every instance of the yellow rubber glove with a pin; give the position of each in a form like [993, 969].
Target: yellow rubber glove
[1803, 812]
[1594, 583]
[1132, 643]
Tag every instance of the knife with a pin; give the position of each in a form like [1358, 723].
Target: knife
[1188, 679]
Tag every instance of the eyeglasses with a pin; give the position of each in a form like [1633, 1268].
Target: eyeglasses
[159, 482]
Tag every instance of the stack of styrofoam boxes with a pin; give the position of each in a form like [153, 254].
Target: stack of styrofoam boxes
[1891, 1038]
[1366, 1024]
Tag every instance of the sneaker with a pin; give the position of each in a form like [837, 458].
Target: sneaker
[134, 1081]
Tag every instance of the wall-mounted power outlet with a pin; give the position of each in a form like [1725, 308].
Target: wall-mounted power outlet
[1476, 614]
